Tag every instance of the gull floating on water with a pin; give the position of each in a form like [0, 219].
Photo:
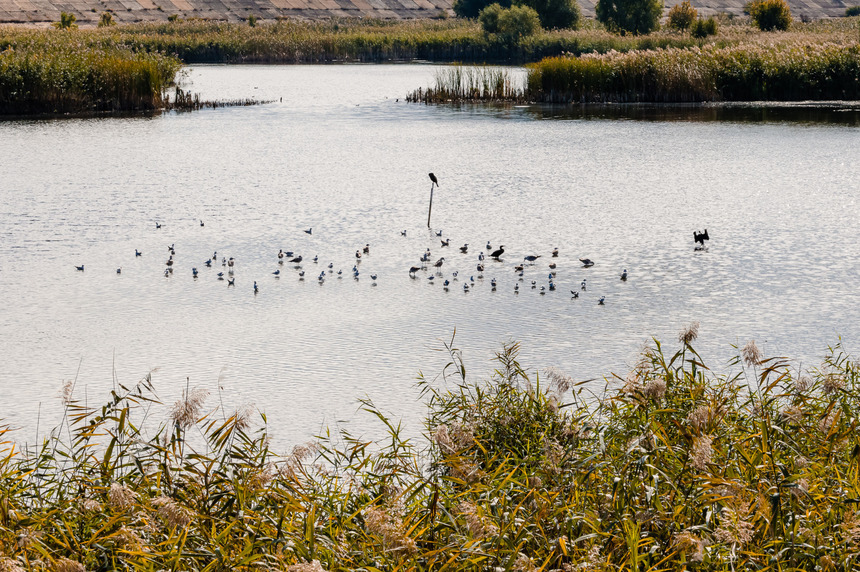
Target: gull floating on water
[439, 262]
[531, 257]
[586, 262]
[119, 270]
[255, 287]
[555, 252]
[600, 302]
[231, 282]
[464, 248]
[624, 275]
[445, 242]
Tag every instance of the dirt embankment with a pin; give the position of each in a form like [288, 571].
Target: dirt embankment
[88, 12]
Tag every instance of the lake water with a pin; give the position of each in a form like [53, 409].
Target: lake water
[340, 151]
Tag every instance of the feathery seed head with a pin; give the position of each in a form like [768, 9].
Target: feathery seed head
[689, 334]
[751, 354]
[186, 410]
[120, 497]
[172, 513]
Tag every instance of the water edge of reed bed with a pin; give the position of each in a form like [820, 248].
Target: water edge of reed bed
[791, 71]
[670, 466]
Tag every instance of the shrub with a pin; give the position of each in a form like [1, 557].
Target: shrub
[682, 16]
[67, 21]
[770, 14]
[106, 20]
[630, 16]
[173, 18]
[852, 11]
[489, 18]
[704, 28]
[518, 22]
[252, 20]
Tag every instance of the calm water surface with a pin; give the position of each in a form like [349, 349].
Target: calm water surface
[341, 154]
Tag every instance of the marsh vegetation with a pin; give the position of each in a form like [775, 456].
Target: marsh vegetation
[668, 466]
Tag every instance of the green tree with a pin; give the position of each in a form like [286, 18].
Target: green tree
[518, 22]
[471, 8]
[630, 16]
[704, 28]
[552, 13]
[67, 21]
[489, 18]
[682, 16]
[106, 20]
[770, 14]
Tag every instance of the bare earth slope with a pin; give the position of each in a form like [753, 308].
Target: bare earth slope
[126, 11]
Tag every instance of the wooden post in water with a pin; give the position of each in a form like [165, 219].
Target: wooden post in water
[434, 183]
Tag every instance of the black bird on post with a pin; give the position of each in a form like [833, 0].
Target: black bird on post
[701, 237]
[434, 182]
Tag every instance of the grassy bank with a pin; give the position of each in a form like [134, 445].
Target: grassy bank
[55, 72]
[674, 467]
[288, 41]
[788, 71]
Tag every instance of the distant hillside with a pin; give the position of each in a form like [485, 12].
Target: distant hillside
[127, 11]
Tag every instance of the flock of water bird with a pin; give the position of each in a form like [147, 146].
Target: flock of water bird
[423, 264]
[433, 271]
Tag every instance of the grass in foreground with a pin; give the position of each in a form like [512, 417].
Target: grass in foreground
[674, 468]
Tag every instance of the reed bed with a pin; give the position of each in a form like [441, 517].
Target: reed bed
[789, 71]
[470, 84]
[57, 72]
[287, 41]
[670, 467]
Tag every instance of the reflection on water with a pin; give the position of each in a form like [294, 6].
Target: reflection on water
[343, 153]
[811, 113]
